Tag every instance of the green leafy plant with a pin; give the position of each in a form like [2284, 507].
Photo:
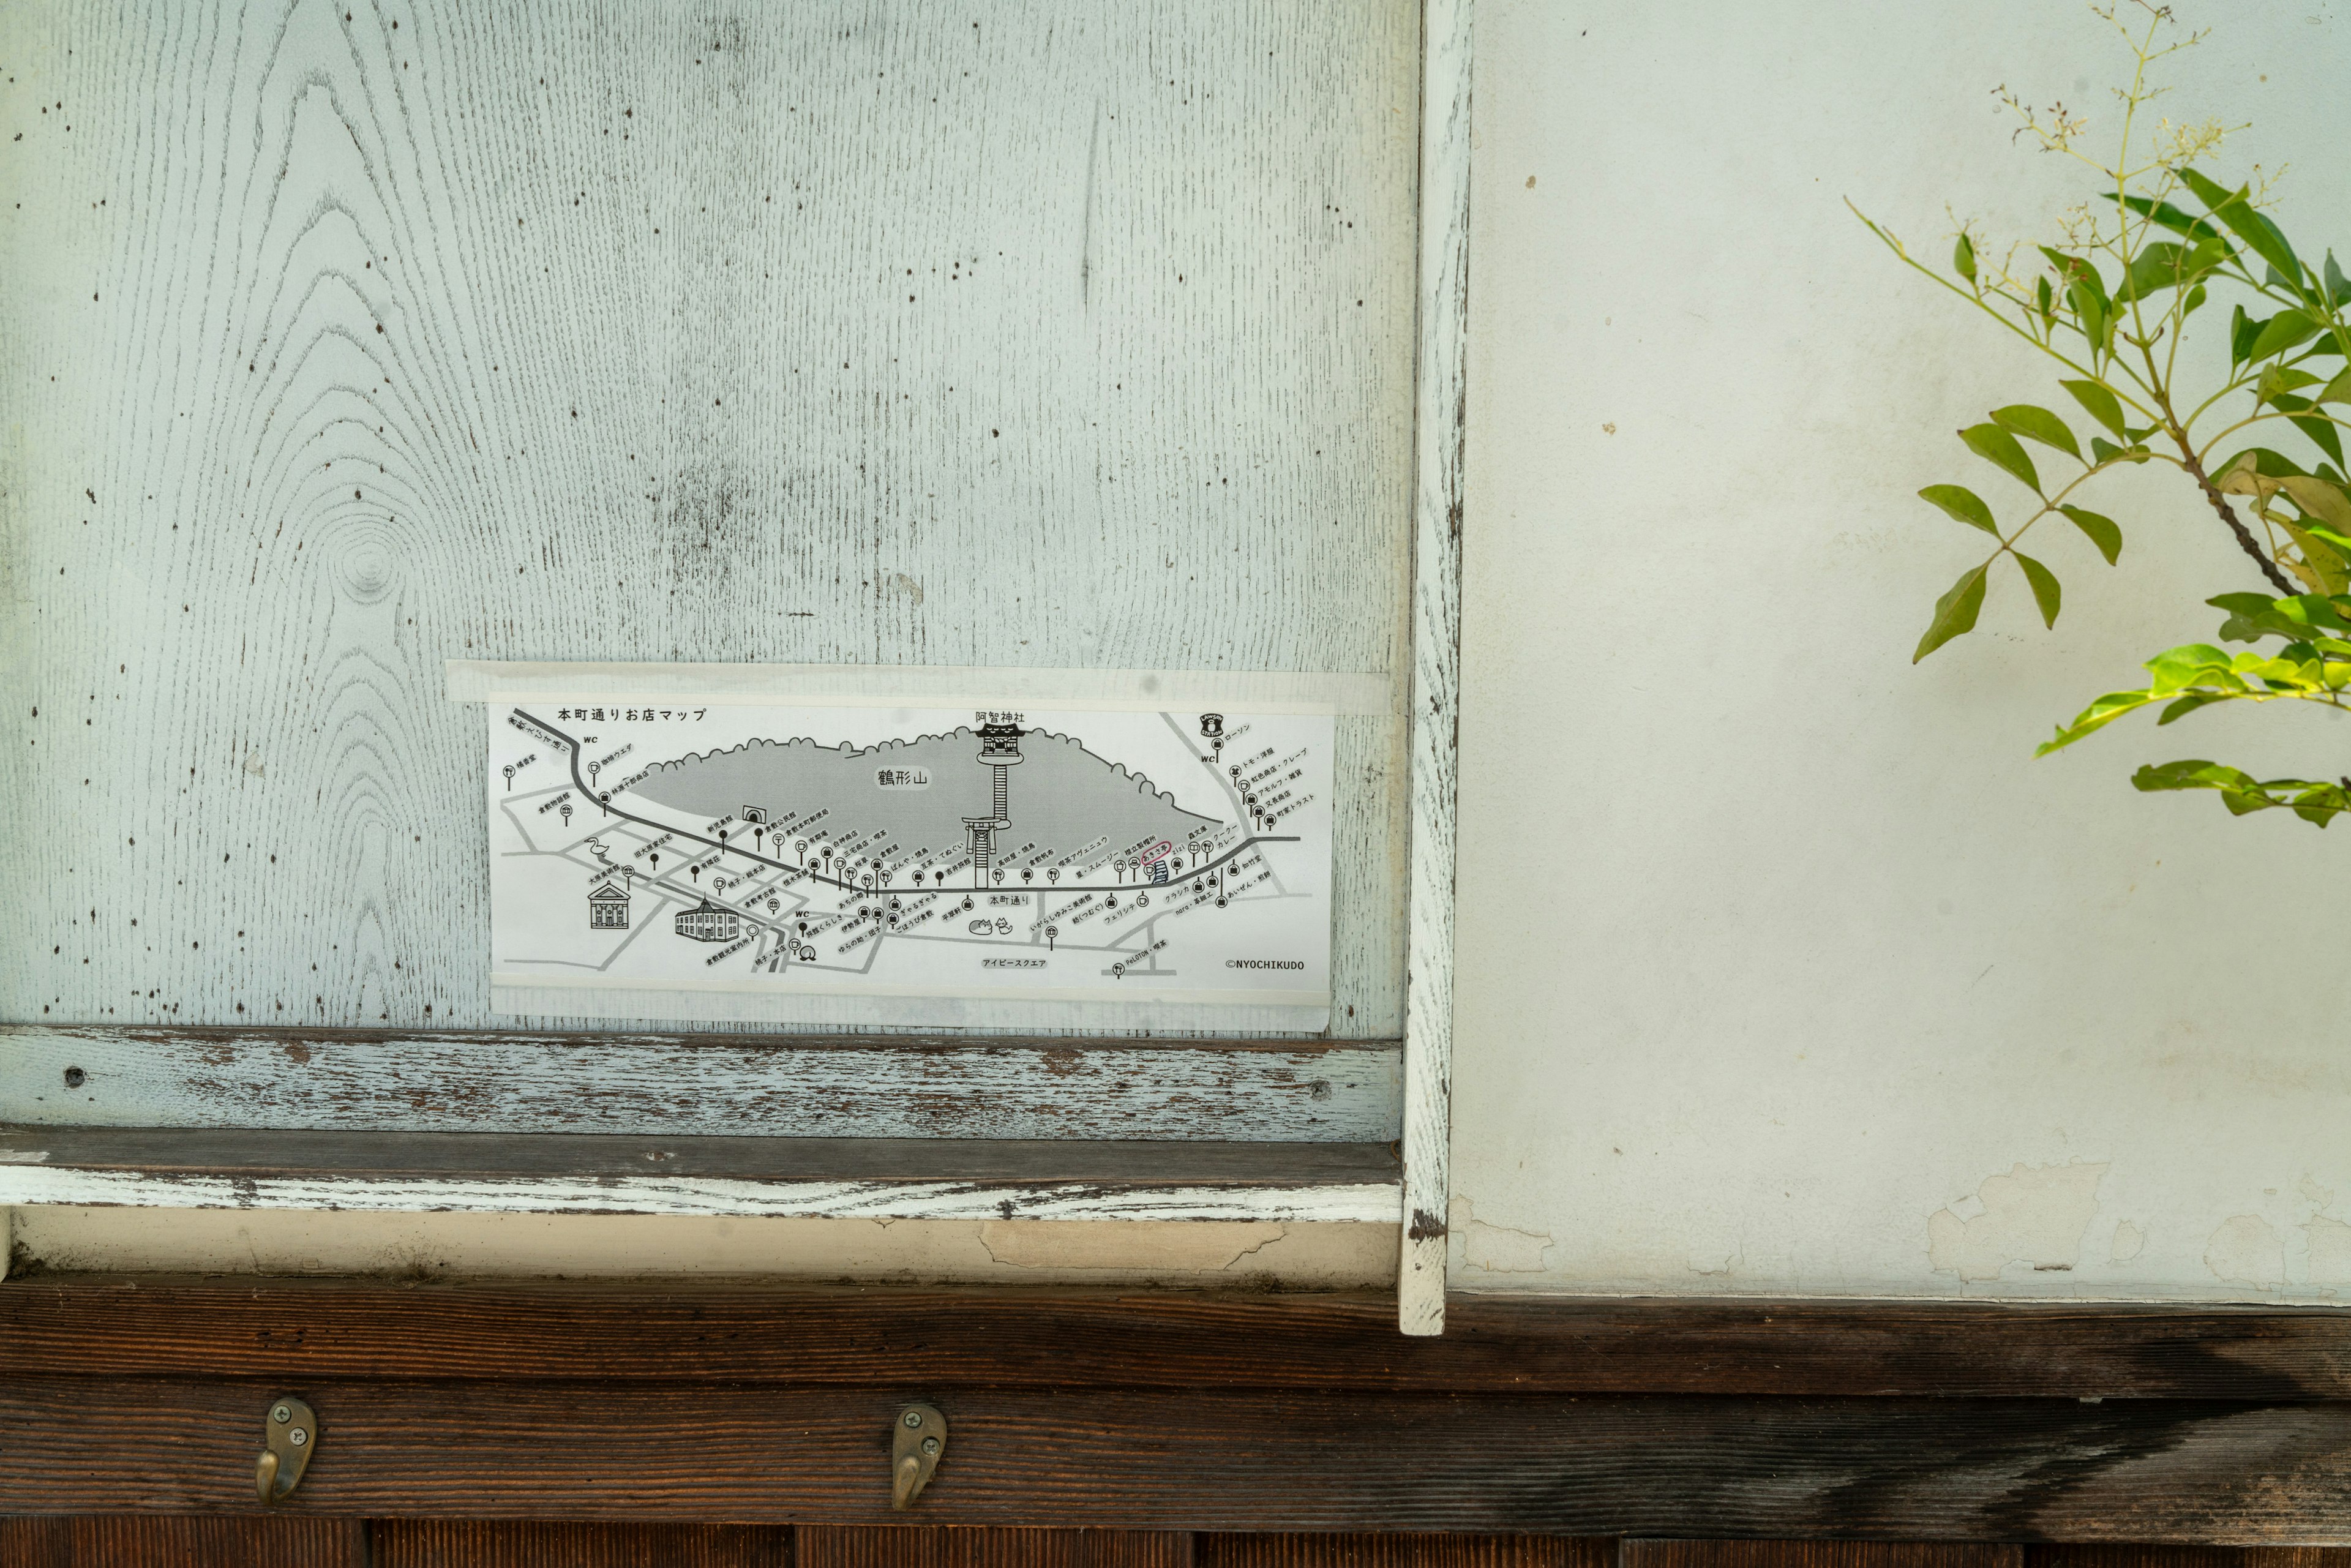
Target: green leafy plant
[2110, 302]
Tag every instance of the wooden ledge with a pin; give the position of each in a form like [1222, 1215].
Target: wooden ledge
[1172, 1412]
[800, 1086]
[162, 1326]
[800, 1177]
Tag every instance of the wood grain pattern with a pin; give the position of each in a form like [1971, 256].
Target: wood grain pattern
[1819, 1555]
[245, 1152]
[558, 1543]
[2142, 1555]
[1050, 336]
[688, 1083]
[133, 1541]
[1404, 1550]
[931, 1546]
[353, 1329]
[928, 1178]
[1440, 410]
[1213, 1459]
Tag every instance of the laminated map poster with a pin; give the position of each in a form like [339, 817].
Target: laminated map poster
[715, 858]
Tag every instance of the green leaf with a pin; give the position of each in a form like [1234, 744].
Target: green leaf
[2045, 592]
[2338, 288]
[2320, 556]
[2281, 332]
[1993, 444]
[1963, 257]
[2106, 451]
[2338, 391]
[2091, 309]
[2102, 403]
[2317, 802]
[2185, 705]
[2039, 423]
[2048, 301]
[2235, 208]
[1955, 612]
[2322, 432]
[2319, 499]
[1963, 503]
[2096, 716]
[2171, 217]
[2160, 266]
[2279, 379]
[2103, 532]
[2242, 474]
[2243, 331]
[2253, 616]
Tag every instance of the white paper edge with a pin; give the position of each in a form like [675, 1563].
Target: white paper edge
[953, 685]
[1308, 1015]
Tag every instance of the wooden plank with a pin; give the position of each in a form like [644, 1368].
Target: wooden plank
[804, 1086]
[1402, 1551]
[1208, 1458]
[347, 1329]
[1820, 1554]
[935, 1546]
[816, 1177]
[1438, 417]
[240, 1151]
[133, 1541]
[342, 340]
[2139, 1554]
[565, 1543]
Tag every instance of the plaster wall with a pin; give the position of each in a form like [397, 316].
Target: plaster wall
[1783, 967]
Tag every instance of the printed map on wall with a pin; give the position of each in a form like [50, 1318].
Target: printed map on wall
[1022, 851]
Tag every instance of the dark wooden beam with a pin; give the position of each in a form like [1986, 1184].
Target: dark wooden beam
[357, 1330]
[1208, 1460]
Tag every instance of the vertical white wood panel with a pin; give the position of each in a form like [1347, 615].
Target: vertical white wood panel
[1436, 648]
[342, 339]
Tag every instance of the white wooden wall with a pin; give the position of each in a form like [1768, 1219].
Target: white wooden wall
[342, 339]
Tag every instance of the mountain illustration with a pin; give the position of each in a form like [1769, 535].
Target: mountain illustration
[1059, 796]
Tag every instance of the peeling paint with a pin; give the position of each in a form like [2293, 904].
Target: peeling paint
[2128, 1243]
[2034, 1215]
[2247, 1251]
[1497, 1249]
[1182, 1247]
[2330, 1252]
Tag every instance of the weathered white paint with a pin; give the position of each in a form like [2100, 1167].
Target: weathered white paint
[344, 340]
[681, 1084]
[1772, 948]
[48, 1183]
[1436, 650]
[1185, 1253]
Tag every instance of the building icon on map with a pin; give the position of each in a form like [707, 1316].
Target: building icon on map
[706, 922]
[608, 908]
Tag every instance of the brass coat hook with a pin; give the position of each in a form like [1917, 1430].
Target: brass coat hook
[919, 1441]
[289, 1433]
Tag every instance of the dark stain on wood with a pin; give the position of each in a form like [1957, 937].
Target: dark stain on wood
[175, 1326]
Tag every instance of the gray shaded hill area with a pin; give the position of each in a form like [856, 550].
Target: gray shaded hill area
[1059, 795]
